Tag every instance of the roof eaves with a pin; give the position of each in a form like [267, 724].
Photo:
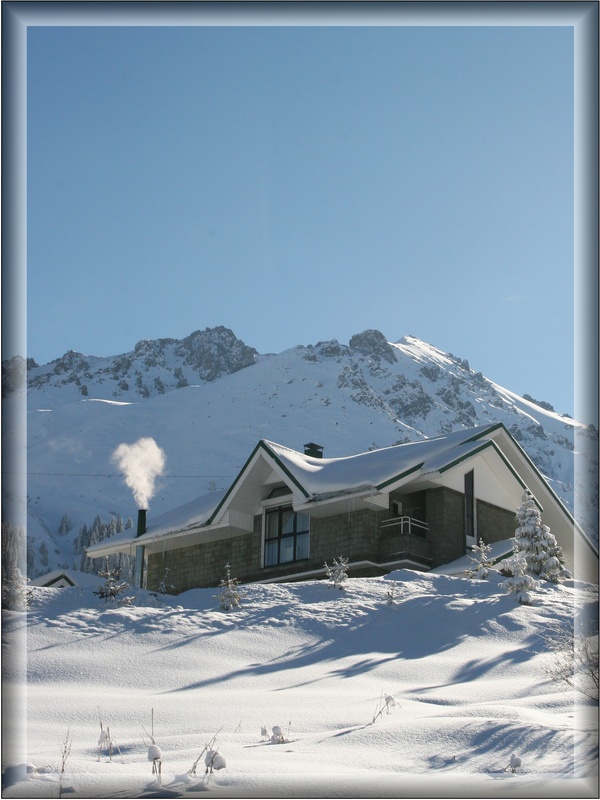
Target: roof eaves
[363, 489]
[398, 477]
[486, 431]
[465, 456]
[530, 463]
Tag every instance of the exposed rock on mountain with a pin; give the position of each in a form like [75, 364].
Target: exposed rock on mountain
[373, 343]
[153, 367]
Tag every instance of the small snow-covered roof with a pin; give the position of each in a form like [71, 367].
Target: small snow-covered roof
[65, 577]
[196, 512]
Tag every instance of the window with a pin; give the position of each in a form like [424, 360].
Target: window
[470, 505]
[286, 536]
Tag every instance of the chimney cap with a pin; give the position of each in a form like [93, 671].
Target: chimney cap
[312, 449]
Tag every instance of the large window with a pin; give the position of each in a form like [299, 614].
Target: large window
[286, 536]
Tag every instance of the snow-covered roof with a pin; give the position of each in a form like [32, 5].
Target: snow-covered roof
[193, 514]
[376, 468]
[65, 577]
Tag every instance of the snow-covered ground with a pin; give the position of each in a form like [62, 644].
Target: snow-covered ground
[465, 664]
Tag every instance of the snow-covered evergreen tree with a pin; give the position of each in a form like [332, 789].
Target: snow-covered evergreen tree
[43, 551]
[164, 586]
[65, 525]
[15, 591]
[337, 572]
[230, 596]
[536, 544]
[520, 583]
[111, 588]
[481, 561]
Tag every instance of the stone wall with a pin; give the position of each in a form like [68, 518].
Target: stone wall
[446, 519]
[494, 524]
[204, 565]
[355, 535]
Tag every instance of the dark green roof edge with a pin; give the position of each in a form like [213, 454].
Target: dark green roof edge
[58, 578]
[381, 486]
[488, 429]
[284, 468]
[481, 448]
[233, 485]
[262, 445]
[555, 497]
[398, 477]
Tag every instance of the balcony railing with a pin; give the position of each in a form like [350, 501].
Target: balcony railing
[402, 525]
[405, 538]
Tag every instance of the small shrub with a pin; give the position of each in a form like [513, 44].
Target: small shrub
[386, 703]
[392, 594]
[573, 661]
[65, 752]
[480, 560]
[164, 587]
[230, 596]
[337, 572]
[111, 588]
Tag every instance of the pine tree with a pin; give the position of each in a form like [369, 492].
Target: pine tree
[520, 583]
[536, 544]
[65, 525]
[481, 561]
[43, 550]
[230, 596]
[111, 588]
[338, 572]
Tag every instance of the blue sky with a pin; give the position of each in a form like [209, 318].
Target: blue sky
[305, 183]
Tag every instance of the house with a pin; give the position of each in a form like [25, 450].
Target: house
[416, 505]
[63, 578]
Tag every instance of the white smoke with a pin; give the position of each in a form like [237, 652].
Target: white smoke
[141, 463]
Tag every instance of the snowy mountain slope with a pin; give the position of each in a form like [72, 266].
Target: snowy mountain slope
[348, 398]
[465, 664]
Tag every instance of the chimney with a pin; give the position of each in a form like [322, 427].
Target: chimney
[141, 525]
[138, 574]
[314, 450]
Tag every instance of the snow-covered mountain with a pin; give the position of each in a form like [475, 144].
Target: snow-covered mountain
[207, 399]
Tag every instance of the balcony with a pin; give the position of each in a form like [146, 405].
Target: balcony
[405, 538]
